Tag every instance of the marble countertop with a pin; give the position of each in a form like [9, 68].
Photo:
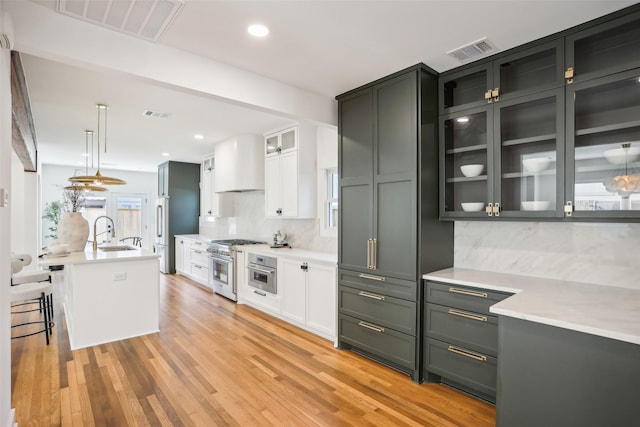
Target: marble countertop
[303, 254]
[200, 237]
[606, 311]
[99, 256]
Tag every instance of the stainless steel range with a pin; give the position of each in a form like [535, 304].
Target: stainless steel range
[223, 266]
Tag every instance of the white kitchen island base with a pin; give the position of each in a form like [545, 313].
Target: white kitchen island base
[110, 296]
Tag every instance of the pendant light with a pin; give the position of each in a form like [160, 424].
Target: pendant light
[86, 187]
[98, 178]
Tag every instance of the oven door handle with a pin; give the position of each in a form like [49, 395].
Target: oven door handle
[223, 259]
[251, 267]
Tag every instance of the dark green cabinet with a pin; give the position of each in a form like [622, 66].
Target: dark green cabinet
[389, 233]
[557, 137]
[461, 337]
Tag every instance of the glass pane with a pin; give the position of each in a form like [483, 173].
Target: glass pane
[272, 144]
[607, 147]
[333, 215]
[334, 184]
[528, 156]
[221, 271]
[465, 89]
[129, 218]
[529, 72]
[288, 139]
[94, 208]
[466, 162]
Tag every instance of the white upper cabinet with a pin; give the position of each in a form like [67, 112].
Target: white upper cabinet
[290, 172]
[212, 204]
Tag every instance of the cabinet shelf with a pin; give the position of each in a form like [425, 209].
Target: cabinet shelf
[527, 174]
[466, 179]
[538, 138]
[608, 128]
[480, 147]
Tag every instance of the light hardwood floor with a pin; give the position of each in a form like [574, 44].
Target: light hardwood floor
[218, 363]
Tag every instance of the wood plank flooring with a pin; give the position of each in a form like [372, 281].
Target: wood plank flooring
[215, 363]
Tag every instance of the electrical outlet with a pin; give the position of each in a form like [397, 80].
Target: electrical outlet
[119, 276]
[4, 198]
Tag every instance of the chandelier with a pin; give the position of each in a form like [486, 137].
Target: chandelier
[628, 181]
[98, 178]
[86, 187]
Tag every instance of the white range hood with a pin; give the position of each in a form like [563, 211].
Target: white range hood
[239, 164]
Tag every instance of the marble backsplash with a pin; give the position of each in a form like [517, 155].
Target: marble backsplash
[600, 253]
[250, 222]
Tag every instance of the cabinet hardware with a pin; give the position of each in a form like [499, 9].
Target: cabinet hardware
[373, 328]
[374, 255]
[488, 97]
[372, 296]
[568, 75]
[496, 209]
[489, 209]
[304, 266]
[279, 211]
[197, 266]
[369, 253]
[467, 353]
[260, 293]
[568, 208]
[467, 315]
[495, 94]
[468, 293]
[209, 211]
[372, 277]
[198, 252]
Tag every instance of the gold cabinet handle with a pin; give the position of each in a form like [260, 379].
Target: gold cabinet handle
[369, 326]
[489, 209]
[369, 253]
[372, 277]
[568, 75]
[496, 209]
[568, 208]
[495, 94]
[467, 353]
[468, 293]
[467, 315]
[488, 97]
[372, 296]
[374, 256]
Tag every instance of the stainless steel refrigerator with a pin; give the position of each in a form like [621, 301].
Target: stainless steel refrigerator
[177, 208]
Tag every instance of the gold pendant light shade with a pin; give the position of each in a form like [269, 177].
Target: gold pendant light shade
[98, 179]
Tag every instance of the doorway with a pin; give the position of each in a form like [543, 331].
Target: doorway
[128, 212]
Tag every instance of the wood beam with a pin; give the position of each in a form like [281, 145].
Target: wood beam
[23, 134]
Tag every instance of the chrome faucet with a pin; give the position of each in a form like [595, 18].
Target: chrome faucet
[95, 235]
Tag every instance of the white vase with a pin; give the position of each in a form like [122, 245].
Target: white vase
[73, 229]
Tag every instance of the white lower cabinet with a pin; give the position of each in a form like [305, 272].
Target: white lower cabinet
[192, 259]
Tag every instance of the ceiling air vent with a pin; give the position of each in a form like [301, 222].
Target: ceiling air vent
[473, 50]
[147, 19]
[155, 114]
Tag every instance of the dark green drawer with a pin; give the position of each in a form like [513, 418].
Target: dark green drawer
[403, 289]
[395, 347]
[477, 300]
[477, 332]
[394, 313]
[462, 366]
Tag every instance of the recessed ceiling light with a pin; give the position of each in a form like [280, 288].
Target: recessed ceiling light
[462, 119]
[165, 154]
[198, 136]
[258, 30]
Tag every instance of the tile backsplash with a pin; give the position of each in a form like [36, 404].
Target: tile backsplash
[601, 253]
[250, 222]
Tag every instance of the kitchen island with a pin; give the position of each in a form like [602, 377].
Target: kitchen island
[108, 295]
[568, 352]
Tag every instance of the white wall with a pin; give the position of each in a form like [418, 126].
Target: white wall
[25, 214]
[54, 177]
[600, 253]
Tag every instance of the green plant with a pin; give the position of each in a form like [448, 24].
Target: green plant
[52, 212]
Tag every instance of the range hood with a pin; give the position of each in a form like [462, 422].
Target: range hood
[239, 164]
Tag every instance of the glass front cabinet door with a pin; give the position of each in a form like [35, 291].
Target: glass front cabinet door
[603, 141]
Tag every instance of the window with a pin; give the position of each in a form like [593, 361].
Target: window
[331, 203]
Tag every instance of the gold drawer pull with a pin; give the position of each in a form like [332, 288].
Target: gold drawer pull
[372, 277]
[372, 296]
[469, 293]
[467, 353]
[468, 315]
[368, 326]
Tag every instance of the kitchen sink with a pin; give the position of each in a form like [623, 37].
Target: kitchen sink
[116, 248]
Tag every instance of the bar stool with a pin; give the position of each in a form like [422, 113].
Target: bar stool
[27, 294]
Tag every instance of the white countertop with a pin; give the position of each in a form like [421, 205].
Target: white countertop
[99, 256]
[606, 311]
[200, 237]
[303, 254]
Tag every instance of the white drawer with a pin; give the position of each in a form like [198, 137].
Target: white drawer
[200, 257]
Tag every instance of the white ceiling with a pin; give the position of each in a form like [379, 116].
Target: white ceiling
[326, 47]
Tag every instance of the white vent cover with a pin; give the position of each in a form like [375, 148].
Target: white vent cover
[147, 19]
[473, 50]
[155, 114]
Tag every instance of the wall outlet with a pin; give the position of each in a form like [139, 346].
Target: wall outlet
[119, 276]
